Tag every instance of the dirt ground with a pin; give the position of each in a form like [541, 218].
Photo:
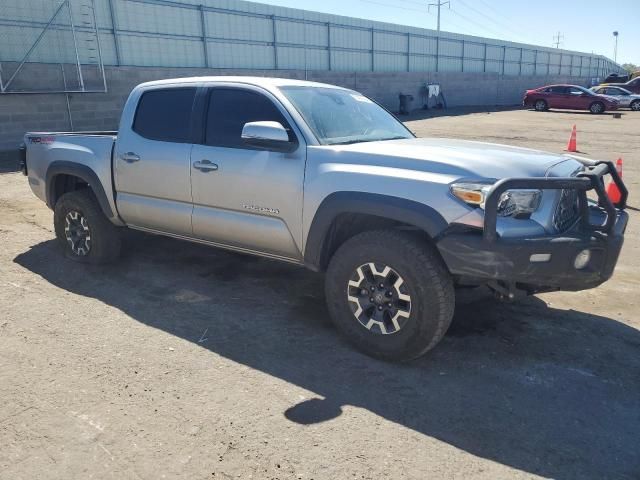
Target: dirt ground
[187, 362]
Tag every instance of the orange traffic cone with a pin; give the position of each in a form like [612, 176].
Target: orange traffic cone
[572, 145]
[613, 192]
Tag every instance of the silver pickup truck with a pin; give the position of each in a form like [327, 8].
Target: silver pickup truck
[324, 177]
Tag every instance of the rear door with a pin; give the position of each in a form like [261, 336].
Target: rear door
[246, 198]
[556, 97]
[152, 161]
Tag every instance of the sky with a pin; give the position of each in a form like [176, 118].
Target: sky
[584, 25]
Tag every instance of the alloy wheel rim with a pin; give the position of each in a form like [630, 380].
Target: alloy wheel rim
[378, 298]
[77, 233]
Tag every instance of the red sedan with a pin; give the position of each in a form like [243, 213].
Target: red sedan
[569, 97]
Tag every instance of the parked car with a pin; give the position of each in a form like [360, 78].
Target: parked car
[616, 78]
[323, 177]
[624, 96]
[569, 97]
[632, 85]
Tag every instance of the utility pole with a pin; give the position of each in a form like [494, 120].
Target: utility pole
[615, 50]
[439, 5]
[557, 39]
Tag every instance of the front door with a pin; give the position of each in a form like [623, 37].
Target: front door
[579, 99]
[246, 198]
[152, 161]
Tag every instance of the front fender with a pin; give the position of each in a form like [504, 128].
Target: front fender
[385, 206]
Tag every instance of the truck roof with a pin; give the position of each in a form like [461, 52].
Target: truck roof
[265, 82]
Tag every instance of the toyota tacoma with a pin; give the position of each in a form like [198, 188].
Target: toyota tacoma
[324, 177]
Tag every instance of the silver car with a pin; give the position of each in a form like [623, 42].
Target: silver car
[626, 98]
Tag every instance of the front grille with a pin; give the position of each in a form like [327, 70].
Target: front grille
[567, 211]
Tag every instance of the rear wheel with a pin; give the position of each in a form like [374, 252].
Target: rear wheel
[635, 105]
[390, 294]
[596, 107]
[540, 106]
[84, 232]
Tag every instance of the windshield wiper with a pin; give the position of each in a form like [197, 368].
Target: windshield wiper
[366, 140]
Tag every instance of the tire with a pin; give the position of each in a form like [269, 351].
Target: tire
[540, 106]
[596, 108]
[635, 106]
[420, 323]
[83, 230]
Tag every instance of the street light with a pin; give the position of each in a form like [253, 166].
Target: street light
[615, 50]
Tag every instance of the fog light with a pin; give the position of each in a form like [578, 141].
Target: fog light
[582, 259]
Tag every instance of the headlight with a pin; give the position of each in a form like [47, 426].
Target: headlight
[512, 203]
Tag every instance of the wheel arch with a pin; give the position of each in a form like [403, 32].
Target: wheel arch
[64, 176]
[342, 215]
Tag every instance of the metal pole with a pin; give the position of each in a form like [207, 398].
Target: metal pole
[462, 67]
[329, 44]
[66, 95]
[205, 45]
[571, 66]
[520, 64]
[535, 63]
[484, 60]
[438, 52]
[114, 25]
[95, 24]
[75, 46]
[35, 44]
[408, 52]
[373, 52]
[560, 67]
[504, 57]
[275, 43]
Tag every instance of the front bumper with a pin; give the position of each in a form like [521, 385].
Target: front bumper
[543, 263]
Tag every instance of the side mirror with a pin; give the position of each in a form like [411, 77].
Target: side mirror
[270, 136]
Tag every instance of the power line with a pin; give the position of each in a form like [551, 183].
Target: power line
[396, 6]
[491, 19]
[479, 25]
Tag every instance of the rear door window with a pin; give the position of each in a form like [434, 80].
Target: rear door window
[165, 115]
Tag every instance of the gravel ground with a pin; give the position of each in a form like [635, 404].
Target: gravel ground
[186, 362]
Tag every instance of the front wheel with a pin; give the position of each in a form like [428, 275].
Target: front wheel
[635, 105]
[83, 230]
[390, 294]
[596, 107]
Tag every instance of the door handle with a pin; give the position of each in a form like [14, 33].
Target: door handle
[130, 157]
[205, 166]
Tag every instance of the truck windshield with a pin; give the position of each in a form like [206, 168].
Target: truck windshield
[341, 117]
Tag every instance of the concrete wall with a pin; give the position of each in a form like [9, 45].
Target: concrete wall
[101, 111]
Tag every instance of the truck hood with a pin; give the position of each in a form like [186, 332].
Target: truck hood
[458, 158]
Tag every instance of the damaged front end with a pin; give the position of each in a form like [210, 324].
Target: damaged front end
[580, 255]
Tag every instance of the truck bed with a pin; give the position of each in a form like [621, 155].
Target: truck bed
[65, 150]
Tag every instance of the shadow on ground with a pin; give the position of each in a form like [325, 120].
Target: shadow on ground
[545, 391]
[421, 114]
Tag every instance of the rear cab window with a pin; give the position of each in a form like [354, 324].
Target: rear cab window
[165, 114]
